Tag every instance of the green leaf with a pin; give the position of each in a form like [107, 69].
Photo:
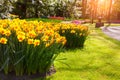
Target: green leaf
[19, 60]
[5, 63]
[6, 51]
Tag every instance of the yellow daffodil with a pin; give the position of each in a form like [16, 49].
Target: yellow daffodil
[7, 33]
[20, 38]
[47, 44]
[72, 31]
[58, 40]
[32, 34]
[36, 42]
[2, 31]
[45, 38]
[3, 40]
[20, 33]
[30, 41]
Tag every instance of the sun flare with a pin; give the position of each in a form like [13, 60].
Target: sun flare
[102, 1]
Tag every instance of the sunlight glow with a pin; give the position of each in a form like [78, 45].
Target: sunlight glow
[102, 1]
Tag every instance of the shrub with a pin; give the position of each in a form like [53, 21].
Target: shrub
[28, 47]
[74, 33]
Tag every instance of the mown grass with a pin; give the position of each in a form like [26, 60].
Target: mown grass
[113, 25]
[98, 60]
[44, 20]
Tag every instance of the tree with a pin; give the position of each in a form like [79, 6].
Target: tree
[5, 8]
[20, 8]
[38, 8]
[116, 7]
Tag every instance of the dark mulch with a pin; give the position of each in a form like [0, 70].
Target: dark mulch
[12, 76]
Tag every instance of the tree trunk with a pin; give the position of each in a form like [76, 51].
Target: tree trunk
[118, 15]
[109, 13]
[96, 8]
[84, 5]
[92, 10]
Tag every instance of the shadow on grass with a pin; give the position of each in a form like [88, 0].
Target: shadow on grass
[43, 79]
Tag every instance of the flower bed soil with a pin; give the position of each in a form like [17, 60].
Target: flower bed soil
[12, 76]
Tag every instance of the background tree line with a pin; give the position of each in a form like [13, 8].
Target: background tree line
[65, 8]
[107, 9]
[36, 8]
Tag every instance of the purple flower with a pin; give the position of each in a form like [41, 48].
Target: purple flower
[77, 22]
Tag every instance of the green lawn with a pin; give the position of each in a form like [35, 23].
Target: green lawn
[99, 60]
[44, 20]
[113, 25]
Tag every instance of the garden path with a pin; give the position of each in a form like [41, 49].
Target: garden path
[113, 32]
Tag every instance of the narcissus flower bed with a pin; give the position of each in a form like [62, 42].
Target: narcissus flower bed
[28, 47]
[75, 34]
